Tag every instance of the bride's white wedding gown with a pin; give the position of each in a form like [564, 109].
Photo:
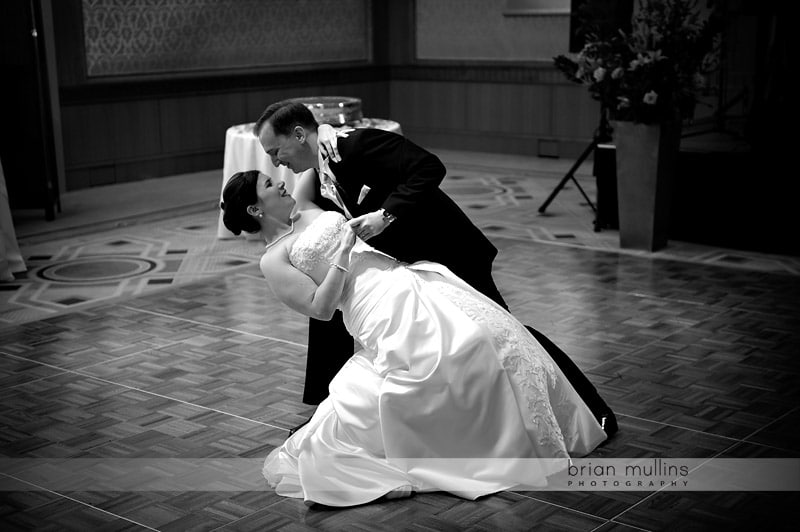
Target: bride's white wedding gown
[449, 392]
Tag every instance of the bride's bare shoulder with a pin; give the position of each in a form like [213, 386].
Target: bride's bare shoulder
[274, 257]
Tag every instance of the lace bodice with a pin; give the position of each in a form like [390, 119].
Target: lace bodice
[318, 242]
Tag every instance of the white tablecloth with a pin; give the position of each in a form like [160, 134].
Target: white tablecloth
[244, 152]
[10, 257]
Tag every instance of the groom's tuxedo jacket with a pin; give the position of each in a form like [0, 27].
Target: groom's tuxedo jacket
[386, 170]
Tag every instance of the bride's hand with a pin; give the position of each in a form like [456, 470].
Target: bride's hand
[347, 239]
[326, 138]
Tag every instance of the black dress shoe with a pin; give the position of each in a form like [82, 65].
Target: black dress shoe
[298, 427]
[608, 422]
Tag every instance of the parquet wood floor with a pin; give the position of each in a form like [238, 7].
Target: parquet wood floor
[699, 360]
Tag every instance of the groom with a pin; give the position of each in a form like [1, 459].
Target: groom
[389, 187]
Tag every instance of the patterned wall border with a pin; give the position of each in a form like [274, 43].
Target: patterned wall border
[129, 37]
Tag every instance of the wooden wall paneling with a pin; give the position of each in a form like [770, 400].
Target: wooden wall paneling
[501, 117]
[446, 105]
[429, 105]
[374, 99]
[99, 137]
[494, 121]
[258, 100]
[536, 106]
[527, 110]
[521, 116]
[136, 129]
[431, 113]
[89, 135]
[198, 123]
[85, 177]
[575, 113]
[137, 140]
[138, 169]
[322, 90]
[575, 118]
[486, 109]
[306, 91]
[399, 108]
[500, 108]
[383, 95]
[374, 102]
[211, 159]
[535, 110]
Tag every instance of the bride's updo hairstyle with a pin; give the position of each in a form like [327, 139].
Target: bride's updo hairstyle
[240, 193]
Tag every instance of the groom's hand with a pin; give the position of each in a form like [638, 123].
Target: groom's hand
[369, 225]
[327, 141]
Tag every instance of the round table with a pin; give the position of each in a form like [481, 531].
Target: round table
[243, 152]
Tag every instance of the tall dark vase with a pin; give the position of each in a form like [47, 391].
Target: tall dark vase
[647, 157]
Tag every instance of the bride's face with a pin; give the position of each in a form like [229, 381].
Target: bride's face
[273, 197]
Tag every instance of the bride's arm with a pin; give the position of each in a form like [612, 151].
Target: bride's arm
[304, 190]
[298, 291]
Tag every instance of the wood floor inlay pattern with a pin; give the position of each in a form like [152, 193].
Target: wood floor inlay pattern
[698, 357]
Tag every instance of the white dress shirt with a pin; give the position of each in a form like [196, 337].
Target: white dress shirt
[327, 185]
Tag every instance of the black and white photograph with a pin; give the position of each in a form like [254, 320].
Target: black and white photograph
[384, 265]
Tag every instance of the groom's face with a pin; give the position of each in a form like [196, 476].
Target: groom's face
[288, 150]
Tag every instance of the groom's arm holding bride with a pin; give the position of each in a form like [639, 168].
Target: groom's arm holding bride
[383, 176]
[388, 176]
[392, 189]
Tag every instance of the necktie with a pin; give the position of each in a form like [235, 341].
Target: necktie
[329, 188]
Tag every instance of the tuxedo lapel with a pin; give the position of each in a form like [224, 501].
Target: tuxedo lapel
[347, 199]
[323, 202]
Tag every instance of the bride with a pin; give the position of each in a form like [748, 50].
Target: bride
[448, 392]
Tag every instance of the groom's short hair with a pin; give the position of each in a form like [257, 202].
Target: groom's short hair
[283, 116]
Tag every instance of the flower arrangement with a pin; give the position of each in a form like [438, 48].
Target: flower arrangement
[654, 72]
